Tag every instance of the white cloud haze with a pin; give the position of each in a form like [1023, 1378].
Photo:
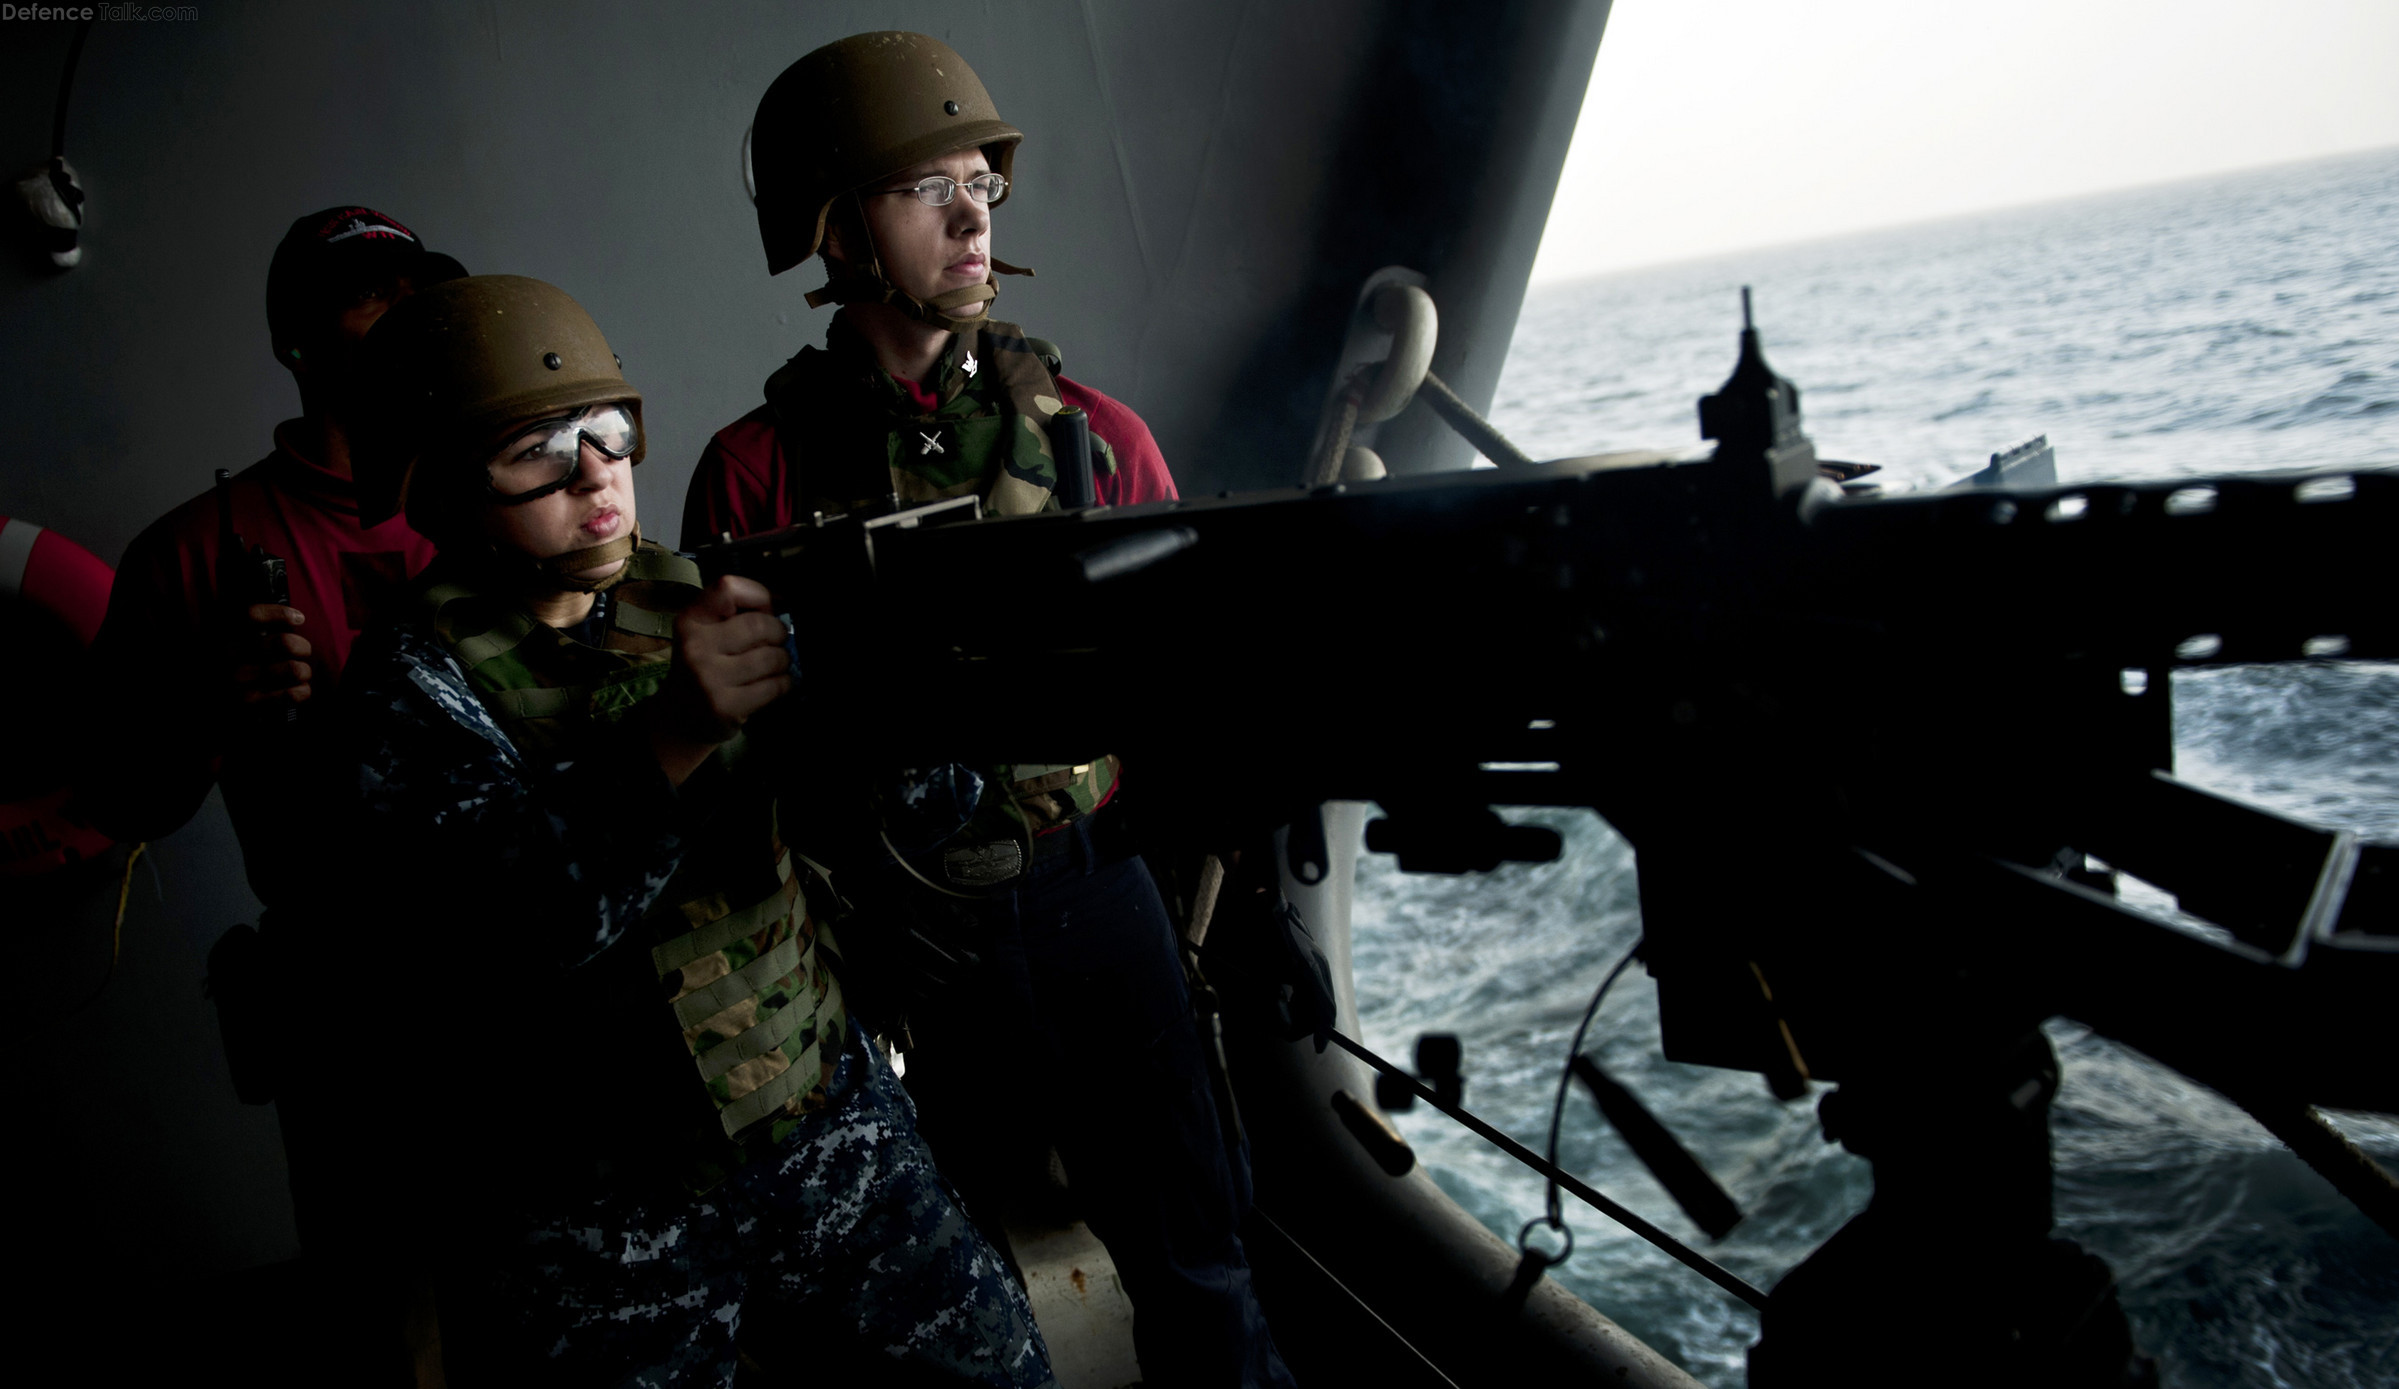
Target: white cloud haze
[1713, 125]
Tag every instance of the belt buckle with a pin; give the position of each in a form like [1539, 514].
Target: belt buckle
[984, 865]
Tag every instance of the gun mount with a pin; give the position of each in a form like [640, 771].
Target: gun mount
[1864, 748]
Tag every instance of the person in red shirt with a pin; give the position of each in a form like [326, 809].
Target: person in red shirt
[884, 154]
[199, 687]
[913, 291]
[205, 688]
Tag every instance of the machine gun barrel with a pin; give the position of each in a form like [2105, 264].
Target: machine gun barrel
[1451, 606]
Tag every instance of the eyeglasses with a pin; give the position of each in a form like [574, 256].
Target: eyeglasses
[545, 457]
[936, 190]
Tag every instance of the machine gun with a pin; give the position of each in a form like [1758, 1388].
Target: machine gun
[1877, 756]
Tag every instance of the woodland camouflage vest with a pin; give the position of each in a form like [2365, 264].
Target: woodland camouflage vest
[851, 436]
[739, 958]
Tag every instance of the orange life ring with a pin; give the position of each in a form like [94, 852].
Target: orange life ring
[44, 570]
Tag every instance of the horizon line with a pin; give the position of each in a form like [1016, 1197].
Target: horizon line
[1940, 218]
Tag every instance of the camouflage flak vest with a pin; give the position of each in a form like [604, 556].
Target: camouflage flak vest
[740, 961]
[851, 436]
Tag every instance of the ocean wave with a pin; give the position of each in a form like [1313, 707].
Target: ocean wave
[2317, 740]
[2239, 325]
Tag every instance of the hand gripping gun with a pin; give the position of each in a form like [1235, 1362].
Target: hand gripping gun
[246, 576]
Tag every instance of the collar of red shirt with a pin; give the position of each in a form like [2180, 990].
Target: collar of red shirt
[926, 401]
[295, 470]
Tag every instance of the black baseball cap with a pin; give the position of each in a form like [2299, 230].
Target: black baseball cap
[335, 253]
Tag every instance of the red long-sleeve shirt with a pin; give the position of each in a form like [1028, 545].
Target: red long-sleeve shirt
[743, 486]
[161, 658]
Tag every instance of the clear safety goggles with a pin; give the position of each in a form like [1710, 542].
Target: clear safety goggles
[545, 457]
[937, 190]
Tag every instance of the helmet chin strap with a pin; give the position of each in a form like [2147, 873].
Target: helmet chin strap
[560, 570]
[846, 284]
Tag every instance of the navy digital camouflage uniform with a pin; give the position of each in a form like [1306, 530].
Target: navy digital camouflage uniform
[846, 1231]
[572, 1252]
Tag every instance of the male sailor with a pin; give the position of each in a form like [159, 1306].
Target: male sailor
[200, 683]
[883, 154]
[198, 680]
[587, 967]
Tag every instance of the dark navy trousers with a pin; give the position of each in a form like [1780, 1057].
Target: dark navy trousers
[840, 1255]
[1083, 969]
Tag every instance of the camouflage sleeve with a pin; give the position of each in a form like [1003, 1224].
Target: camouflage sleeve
[560, 857]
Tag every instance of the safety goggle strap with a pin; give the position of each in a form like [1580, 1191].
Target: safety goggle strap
[574, 468]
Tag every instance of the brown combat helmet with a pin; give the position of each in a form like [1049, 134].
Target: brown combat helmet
[854, 112]
[457, 366]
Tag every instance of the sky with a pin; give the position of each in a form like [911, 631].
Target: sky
[1715, 125]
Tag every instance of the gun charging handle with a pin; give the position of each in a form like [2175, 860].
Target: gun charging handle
[1070, 441]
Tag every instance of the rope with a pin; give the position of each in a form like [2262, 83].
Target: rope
[1697, 1262]
[1327, 468]
[1472, 427]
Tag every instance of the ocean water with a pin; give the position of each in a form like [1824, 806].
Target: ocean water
[2236, 324]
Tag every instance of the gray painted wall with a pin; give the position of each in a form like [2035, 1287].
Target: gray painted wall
[1202, 188]
[598, 148]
